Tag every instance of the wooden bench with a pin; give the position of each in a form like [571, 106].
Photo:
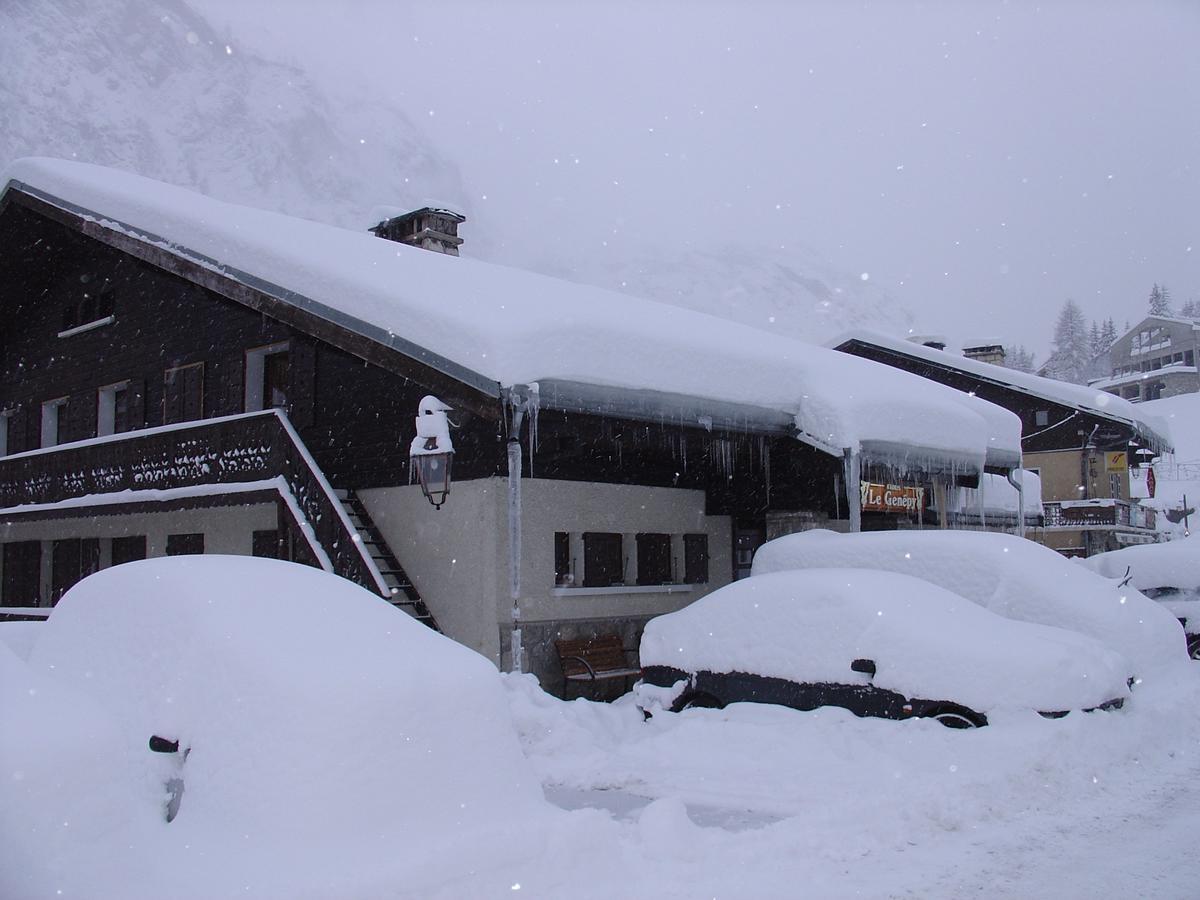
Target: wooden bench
[591, 660]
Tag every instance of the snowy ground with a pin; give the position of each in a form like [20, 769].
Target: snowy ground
[391, 762]
[782, 804]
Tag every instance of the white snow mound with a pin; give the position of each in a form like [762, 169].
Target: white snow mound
[315, 715]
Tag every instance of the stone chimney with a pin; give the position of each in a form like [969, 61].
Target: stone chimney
[427, 228]
[988, 353]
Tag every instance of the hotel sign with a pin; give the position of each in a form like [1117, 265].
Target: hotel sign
[891, 498]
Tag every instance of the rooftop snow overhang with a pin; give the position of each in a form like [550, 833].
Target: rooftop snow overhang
[973, 368]
[490, 318]
[375, 333]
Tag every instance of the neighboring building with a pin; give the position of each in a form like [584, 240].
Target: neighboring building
[1081, 442]
[1156, 358]
[180, 375]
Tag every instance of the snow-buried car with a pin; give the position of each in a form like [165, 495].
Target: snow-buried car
[875, 643]
[1008, 575]
[1168, 573]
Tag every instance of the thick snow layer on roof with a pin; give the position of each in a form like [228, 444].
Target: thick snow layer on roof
[317, 717]
[1077, 396]
[1182, 415]
[927, 642]
[1173, 564]
[507, 327]
[1011, 576]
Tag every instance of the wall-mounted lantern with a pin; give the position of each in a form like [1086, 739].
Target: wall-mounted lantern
[431, 453]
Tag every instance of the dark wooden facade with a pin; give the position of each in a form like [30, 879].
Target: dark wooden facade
[86, 307]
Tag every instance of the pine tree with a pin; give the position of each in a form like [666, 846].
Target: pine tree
[1108, 333]
[1069, 355]
[1190, 310]
[1018, 358]
[1160, 301]
[1095, 345]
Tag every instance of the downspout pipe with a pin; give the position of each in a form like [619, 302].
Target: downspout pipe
[1018, 482]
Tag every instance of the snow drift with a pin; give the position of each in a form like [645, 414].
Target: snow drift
[315, 716]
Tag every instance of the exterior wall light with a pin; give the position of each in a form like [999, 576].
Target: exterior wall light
[431, 453]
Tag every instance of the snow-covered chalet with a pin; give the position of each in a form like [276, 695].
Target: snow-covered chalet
[183, 375]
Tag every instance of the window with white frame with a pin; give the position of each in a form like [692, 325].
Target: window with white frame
[52, 411]
[112, 409]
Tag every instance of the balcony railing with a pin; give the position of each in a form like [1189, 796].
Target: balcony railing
[234, 452]
[1099, 513]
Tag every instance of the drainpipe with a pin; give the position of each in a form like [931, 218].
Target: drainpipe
[852, 466]
[514, 532]
[1019, 484]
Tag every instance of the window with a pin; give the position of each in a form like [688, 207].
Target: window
[265, 544]
[185, 544]
[52, 411]
[128, 548]
[695, 558]
[1041, 418]
[653, 558]
[94, 310]
[112, 409]
[268, 376]
[562, 558]
[22, 583]
[603, 564]
[1114, 485]
[183, 394]
[6, 443]
[71, 561]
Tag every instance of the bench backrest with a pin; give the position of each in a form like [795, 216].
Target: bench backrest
[603, 652]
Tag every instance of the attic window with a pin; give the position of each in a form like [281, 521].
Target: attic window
[1041, 418]
[94, 310]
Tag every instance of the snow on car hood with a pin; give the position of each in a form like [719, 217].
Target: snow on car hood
[926, 642]
[1010, 576]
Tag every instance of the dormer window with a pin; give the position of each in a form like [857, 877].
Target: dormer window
[94, 309]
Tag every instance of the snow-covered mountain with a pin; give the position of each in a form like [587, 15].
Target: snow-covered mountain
[791, 292]
[149, 86]
[153, 87]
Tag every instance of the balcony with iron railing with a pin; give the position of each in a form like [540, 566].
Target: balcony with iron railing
[256, 452]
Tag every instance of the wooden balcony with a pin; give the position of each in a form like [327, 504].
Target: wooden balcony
[251, 454]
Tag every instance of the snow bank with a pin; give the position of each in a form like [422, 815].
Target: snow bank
[1173, 564]
[927, 643]
[20, 637]
[1011, 576]
[316, 716]
[496, 326]
[1182, 415]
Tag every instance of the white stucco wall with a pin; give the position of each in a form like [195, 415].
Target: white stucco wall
[458, 556]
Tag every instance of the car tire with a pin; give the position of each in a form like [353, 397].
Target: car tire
[696, 700]
[1194, 648]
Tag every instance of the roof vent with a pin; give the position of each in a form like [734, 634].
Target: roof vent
[427, 228]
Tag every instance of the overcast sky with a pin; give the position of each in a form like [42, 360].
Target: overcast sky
[980, 161]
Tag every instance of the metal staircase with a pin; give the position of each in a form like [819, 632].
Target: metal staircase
[404, 592]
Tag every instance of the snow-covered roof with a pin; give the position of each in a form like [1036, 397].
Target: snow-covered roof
[1084, 399]
[493, 327]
